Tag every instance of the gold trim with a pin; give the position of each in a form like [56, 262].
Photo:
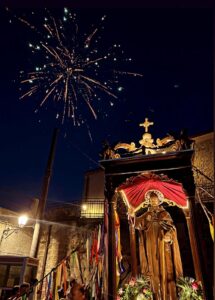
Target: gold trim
[124, 198]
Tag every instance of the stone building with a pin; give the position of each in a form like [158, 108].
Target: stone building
[67, 226]
[13, 242]
[63, 232]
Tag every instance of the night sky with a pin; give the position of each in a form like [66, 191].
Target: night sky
[173, 50]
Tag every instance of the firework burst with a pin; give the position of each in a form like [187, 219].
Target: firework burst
[72, 70]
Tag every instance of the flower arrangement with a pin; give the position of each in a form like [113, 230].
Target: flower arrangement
[189, 289]
[136, 289]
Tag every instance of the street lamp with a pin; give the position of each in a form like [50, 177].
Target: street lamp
[22, 220]
[10, 229]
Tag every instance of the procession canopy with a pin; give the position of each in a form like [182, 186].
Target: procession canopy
[135, 191]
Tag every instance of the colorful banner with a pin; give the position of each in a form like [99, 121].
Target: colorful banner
[84, 266]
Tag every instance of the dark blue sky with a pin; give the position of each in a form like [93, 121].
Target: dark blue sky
[173, 50]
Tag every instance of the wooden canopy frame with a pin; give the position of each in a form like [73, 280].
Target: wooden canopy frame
[177, 166]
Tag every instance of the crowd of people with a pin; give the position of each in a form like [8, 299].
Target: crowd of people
[25, 291]
[21, 292]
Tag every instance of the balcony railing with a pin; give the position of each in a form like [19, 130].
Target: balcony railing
[93, 209]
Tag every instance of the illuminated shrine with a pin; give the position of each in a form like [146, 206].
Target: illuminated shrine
[151, 219]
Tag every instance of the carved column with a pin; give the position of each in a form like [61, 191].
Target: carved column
[193, 243]
[133, 249]
[111, 240]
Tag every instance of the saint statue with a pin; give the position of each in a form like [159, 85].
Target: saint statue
[158, 248]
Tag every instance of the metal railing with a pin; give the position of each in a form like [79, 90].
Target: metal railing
[92, 209]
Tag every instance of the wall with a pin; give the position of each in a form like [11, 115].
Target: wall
[67, 232]
[19, 242]
[204, 161]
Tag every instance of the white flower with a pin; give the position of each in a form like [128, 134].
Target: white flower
[120, 292]
[140, 297]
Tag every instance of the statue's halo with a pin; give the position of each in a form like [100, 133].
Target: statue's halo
[158, 193]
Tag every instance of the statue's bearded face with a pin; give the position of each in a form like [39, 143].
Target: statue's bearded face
[154, 201]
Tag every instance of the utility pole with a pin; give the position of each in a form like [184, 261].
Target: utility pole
[44, 194]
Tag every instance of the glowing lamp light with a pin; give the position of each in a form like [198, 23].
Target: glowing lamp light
[22, 220]
[84, 207]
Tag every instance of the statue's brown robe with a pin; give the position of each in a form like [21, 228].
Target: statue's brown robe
[159, 259]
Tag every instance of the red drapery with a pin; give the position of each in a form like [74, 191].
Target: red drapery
[135, 188]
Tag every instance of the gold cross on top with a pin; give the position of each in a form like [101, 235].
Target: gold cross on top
[146, 124]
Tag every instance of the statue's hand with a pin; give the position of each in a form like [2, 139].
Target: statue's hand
[166, 225]
[168, 237]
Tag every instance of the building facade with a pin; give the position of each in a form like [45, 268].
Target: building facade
[66, 227]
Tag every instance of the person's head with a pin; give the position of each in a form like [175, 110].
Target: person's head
[15, 290]
[24, 288]
[33, 281]
[78, 293]
[154, 200]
